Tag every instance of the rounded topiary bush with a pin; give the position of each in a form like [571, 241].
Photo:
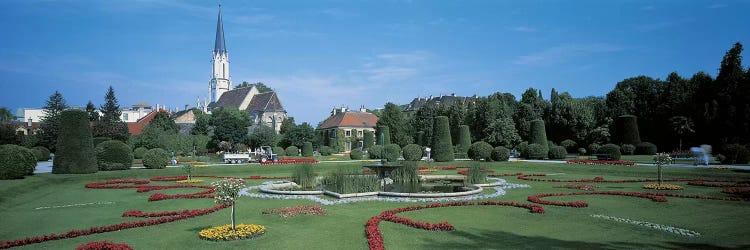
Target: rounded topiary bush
[581, 151]
[523, 149]
[570, 145]
[114, 155]
[307, 149]
[500, 153]
[442, 150]
[42, 153]
[557, 152]
[735, 154]
[291, 151]
[627, 149]
[16, 162]
[75, 152]
[155, 158]
[594, 147]
[412, 152]
[278, 151]
[646, 148]
[98, 140]
[138, 153]
[392, 152]
[375, 152]
[611, 149]
[326, 151]
[480, 150]
[356, 154]
[536, 151]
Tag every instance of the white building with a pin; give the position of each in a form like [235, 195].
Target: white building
[135, 112]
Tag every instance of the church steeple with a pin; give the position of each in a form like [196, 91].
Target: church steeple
[220, 81]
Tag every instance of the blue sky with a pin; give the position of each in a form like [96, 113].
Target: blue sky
[321, 54]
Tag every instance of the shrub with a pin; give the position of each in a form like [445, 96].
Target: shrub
[500, 153]
[627, 149]
[16, 161]
[307, 150]
[593, 147]
[441, 140]
[278, 151]
[475, 175]
[386, 139]
[412, 152]
[155, 158]
[480, 150]
[114, 155]
[368, 139]
[325, 151]
[464, 140]
[537, 135]
[735, 154]
[75, 148]
[42, 153]
[375, 152]
[557, 152]
[138, 153]
[356, 154]
[581, 151]
[291, 151]
[304, 175]
[523, 149]
[611, 149]
[569, 145]
[536, 151]
[98, 140]
[645, 148]
[392, 152]
[627, 130]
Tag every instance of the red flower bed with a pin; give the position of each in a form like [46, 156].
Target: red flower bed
[290, 161]
[715, 184]
[169, 178]
[375, 236]
[744, 192]
[600, 162]
[658, 197]
[449, 167]
[104, 245]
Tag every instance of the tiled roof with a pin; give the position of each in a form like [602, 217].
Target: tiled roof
[350, 119]
[268, 101]
[232, 98]
[136, 128]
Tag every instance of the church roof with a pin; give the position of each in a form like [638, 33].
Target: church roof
[220, 45]
[268, 101]
[232, 98]
[350, 119]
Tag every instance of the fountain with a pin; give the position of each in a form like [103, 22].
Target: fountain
[383, 169]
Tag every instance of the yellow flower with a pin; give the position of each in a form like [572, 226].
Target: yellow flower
[662, 186]
[242, 231]
[190, 181]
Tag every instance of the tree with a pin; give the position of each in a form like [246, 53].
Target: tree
[682, 125]
[538, 135]
[464, 140]
[262, 88]
[50, 124]
[422, 122]
[392, 117]
[298, 135]
[262, 136]
[230, 124]
[75, 146]
[226, 192]
[368, 140]
[8, 134]
[731, 105]
[442, 146]
[91, 110]
[5, 115]
[202, 121]
[162, 121]
[110, 125]
[287, 125]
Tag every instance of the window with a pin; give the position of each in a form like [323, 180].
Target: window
[333, 133]
[360, 144]
[348, 133]
[359, 133]
[125, 116]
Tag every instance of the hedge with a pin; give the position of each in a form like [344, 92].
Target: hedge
[98, 140]
[368, 139]
[75, 147]
[375, 152]
[611, 149]
[356, 154]
[42, 153]
[412, 152]
[627, 149]
[480, 150]
[291, 151]
[278, 151]
[536, 151]
[537, 135]
[155, 158]
[500, 153]
[139, 152]
[441, 140]
[325, 151]
[114, 155]
[557, 152]
[386, 139]
[646, 148]
[570, 145]
[593, 148]
[392, 152]
[523, 149]
[16, 162]
[627, 130]
[464, 140]
[307, 149]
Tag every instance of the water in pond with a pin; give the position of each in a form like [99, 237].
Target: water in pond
[436, 186]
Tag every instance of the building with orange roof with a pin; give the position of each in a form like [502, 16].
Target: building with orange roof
[344, 129]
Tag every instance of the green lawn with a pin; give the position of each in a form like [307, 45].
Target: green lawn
[720, 223]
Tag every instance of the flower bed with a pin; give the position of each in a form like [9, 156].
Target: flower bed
[241, 231]
[665, 228]
[658, 197]
[190, 181]
[581, 186]
[745, 192]
[375, 236]
[662, 186]
[290, 161]
[104, 245]
[715, 184]
[294, 211]
[600, 162]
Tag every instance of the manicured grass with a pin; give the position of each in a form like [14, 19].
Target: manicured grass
[721, 223]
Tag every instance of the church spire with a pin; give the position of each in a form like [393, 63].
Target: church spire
[220, 46]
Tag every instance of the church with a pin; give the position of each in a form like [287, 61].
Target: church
[264, 107]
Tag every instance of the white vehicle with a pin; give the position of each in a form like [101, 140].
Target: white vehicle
[236, 158]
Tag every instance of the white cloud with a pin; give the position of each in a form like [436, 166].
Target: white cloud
[717, 6]
[563, 53]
